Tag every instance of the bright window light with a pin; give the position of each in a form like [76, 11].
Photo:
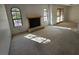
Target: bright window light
[60, 14]
[45, 14]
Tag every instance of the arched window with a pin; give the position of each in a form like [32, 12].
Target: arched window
[16, 17]
[45, 14]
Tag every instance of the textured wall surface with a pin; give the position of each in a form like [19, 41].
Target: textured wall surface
[5, 35]
[26, 11]
[74, 13]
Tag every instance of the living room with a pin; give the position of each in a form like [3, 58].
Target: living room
[49, 22]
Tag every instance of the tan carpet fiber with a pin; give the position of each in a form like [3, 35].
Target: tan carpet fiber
[63, 41]
[69, 24]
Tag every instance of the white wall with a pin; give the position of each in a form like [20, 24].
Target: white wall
[26, 11]
[74, 13]
[32, 10]
[50, 21]
[5, 35]
[54, 12]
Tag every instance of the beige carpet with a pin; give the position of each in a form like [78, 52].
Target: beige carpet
[63, 41]
[71, 25]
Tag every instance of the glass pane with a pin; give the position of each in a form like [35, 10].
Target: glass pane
[13, 15]
[45, 12]
[58, 19]
[45, 9]
[15, 9]
[45, 18]
[18, 16]
[17, 23]
[58, 12]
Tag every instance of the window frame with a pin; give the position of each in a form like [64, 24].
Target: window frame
[17, 18]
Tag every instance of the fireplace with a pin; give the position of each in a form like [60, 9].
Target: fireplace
[34, 22]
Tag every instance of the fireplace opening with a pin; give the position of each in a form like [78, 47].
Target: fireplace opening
[34, 22]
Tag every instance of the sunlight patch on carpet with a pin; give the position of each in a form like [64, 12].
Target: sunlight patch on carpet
[62, 27]
[37, 38]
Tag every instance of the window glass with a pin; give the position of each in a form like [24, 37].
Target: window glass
[45, 14]
[16, 17]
